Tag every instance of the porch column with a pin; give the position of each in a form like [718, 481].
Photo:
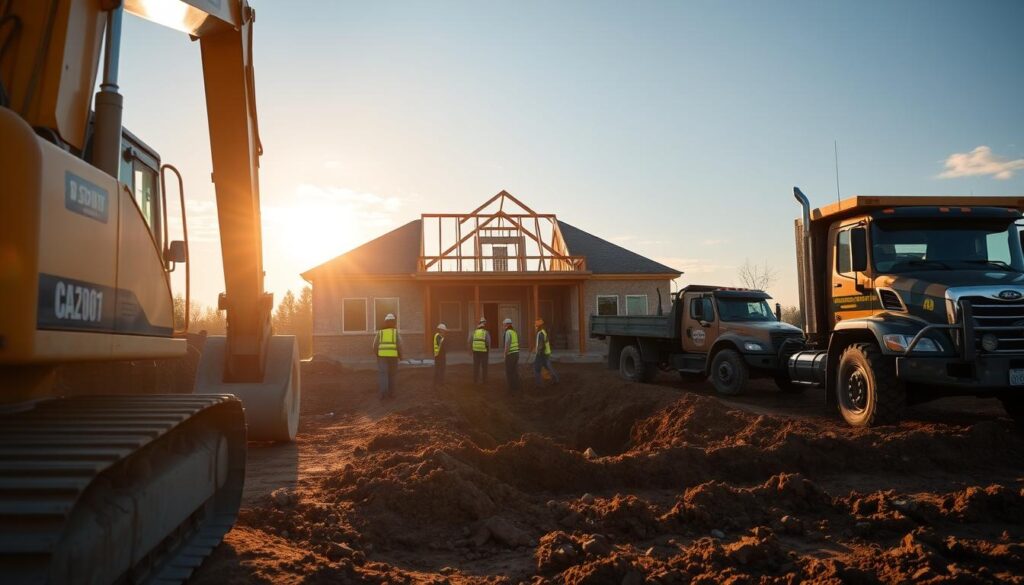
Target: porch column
[476, 304]
[536, 315]
[428, 322]
[582, 318]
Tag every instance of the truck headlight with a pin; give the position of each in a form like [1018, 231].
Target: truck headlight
[897, 342]
[752, 346]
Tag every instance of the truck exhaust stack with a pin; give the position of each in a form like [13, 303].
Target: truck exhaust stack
[805, 265]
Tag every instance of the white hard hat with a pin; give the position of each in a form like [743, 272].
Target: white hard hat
[389, 317]
[507, 322]
[442, 327]
[483, 319]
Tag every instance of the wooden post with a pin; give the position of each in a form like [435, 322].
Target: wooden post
[428, 327]
[582, 318]
[476, 304]
[536, 315]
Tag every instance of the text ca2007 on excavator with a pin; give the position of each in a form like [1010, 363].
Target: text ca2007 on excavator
[109, 481]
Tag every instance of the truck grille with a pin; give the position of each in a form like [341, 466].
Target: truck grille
[779, 338]
[993, 313]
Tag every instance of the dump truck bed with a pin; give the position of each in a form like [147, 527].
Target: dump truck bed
[655, 326]
[861, 203]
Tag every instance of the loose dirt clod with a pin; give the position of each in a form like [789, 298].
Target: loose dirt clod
[600, 481]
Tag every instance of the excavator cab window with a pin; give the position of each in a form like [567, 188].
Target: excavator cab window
[140, 172]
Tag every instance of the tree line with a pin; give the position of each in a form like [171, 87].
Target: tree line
[292, 316]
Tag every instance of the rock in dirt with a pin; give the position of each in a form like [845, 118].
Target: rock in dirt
[502, 532]
[717, 533]
[284, 498]
[597, 546]
[590, 453]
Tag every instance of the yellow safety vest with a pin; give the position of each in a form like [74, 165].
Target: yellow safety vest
[437, 343]
[388, 345]
[513, 344]
[547, 342]
[480, 340]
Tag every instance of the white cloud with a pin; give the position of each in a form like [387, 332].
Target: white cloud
[714, 242]
[980, 162]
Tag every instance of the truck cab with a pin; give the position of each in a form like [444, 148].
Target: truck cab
[911, 298]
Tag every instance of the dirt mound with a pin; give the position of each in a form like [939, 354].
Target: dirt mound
[598, 481]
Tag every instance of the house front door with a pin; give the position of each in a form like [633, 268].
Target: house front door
[509, 311]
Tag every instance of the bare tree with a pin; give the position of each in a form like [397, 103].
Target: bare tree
[757, 277]
[793, 316]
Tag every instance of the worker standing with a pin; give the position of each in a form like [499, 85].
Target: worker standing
[511, 343]
[388, 346]
[440, 355]
[481, 343]
[542, 354]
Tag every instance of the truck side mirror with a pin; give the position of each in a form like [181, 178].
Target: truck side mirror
[859, 249]
[176, 252]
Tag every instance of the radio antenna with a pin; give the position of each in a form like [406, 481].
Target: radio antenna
[835, 150]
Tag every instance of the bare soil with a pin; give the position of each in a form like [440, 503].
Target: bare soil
[601, 481]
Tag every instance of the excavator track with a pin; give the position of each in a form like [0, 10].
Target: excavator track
[122, 488]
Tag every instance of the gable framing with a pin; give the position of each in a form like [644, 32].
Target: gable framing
[494, 238]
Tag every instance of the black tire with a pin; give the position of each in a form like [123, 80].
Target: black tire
[632, 366]
[729, 373]
[1014, 407]
[867, 391]
[787, 386]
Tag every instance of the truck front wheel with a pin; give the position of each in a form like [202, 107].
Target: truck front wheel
[632, 366]
[867, 390]
[729, 372]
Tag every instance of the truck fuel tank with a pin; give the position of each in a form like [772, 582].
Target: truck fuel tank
[808, 367]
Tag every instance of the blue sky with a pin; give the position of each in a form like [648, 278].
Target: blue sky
[677, 129]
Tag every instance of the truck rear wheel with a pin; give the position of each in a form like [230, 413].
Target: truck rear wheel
[729, 372]
[632, 366]
[867, 390]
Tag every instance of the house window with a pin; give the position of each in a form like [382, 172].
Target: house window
[500, 254]
[381, 308]
[607, 304]
[353, 315]
[636, 304]
[451, 315]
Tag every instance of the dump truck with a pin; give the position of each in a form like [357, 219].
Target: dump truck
[906, 299]
[729, 335]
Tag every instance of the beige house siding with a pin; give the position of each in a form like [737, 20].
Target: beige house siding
[328, 337]
[620, 288]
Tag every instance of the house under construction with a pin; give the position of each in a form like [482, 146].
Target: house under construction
[501, 260]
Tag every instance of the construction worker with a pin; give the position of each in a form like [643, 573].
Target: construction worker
[542, 354]
[388, 345]
[511, 343]
[440, 355]
[480, 341]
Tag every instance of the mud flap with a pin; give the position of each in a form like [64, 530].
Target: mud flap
[272, 406]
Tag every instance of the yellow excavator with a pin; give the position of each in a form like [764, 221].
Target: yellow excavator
[123, 484]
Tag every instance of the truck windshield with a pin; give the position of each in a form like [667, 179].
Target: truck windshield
[900, 245]
[744, 310]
